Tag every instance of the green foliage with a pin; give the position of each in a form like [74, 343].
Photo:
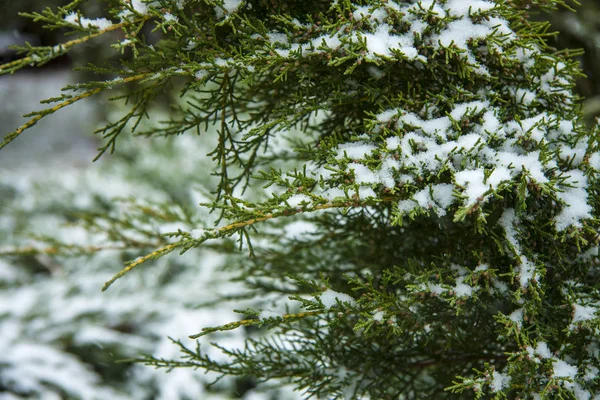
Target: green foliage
[432, 155]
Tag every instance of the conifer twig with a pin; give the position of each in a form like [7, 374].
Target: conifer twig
[41, 114]
[62, 48]
[217, 233]
[248, 322]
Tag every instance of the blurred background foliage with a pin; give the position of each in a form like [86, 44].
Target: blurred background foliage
[581, 30]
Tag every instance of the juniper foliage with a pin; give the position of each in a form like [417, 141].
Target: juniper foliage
[428, 219]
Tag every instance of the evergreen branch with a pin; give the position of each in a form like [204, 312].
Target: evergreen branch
[41, 114]
[215, 233]
[155, 254]
[38, 115]
[255, 322]
[59, 49]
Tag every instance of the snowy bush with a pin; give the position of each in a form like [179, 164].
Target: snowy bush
[410, 184]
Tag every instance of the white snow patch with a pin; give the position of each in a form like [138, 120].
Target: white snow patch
[576, 206]
[100, 23]
[583, 313]
[330, 298]
[378, 316]
[355, 151]
[499, 381]
[517, 317]
[563, 369]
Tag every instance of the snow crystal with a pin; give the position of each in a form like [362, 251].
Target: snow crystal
[99, 336]
[35, 363]
[437, 197]
[385, 175]
[377, 14]
[542, 350]
[366, 192]
[333, 42]
[490, 122]
[517, 317]
[583, 313]
[530, 162]
[436, 289]
[231, 5]
[564, 370]
[526, 56]
[431, 5]
[499, 381]
[387, 115]
[393, 143]
[381, 43]
[575, 155]
[375, 72]
[551, 82]
[378, 316]
[576, 206]
[354, 151]
[406, 206]
[529, 126]
[442, 194]
[461, 8]
[222, 62]
[423, 198]
[524, 96]
[462, 289]
[72, 18]
[323, 172]
[469, 141]
[498, 175]
[170, 17]
[277, 37]
[459, 32]
[228, 6]
[100, 23]
[138, 6]
[526, 272]
[566, 127]
[461, 109]
[500, 26]
[526, 267]
[435, 126]
[507, 221]
[473, 181]
[362, 174]
[330, 298]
